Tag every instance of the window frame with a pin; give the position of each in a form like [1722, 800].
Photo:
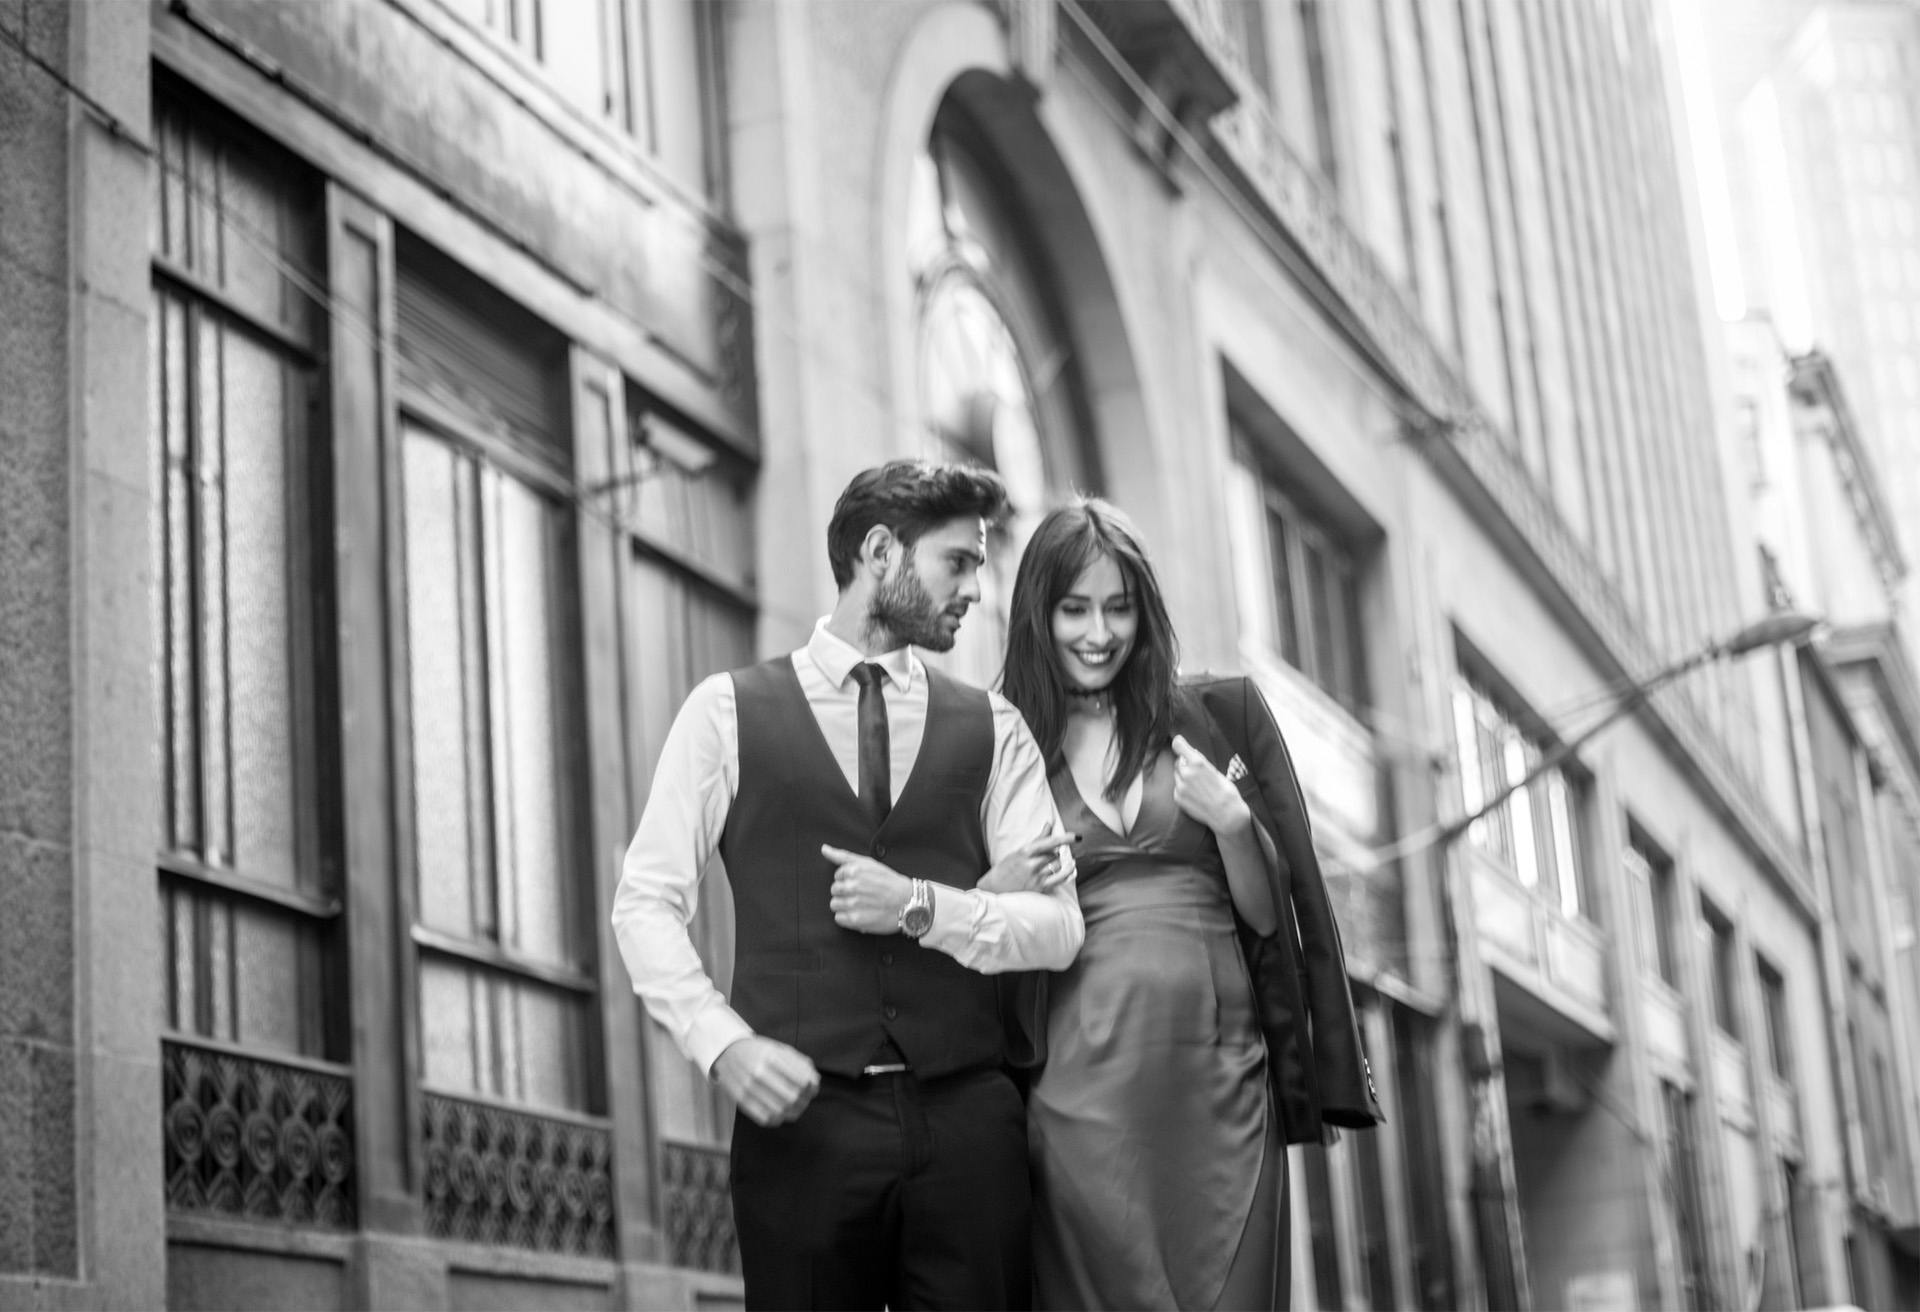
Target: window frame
[1777, 1007]
[1723, 980]
[1315, 575]
[312, 904]
[1538, 835]
[471, 441]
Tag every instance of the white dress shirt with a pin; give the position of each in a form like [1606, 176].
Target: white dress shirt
[694, 785]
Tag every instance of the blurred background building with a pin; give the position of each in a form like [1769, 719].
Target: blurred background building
[403, 402]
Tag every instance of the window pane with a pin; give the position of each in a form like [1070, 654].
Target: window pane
[575, 51]
[1323, 604]
[1350, 684]
[261, 421]
[1666, 910]
[693, 500]
[180, 642]
[452, 847]
[210, 592]
[238, 215]
[1519, 809]
[1286, 608]
[1466, 739]
[1560, 811]
[1773, 995]
[492, 1034]
[276, 966]
[529, 755]
[242, 973]
[676, 69]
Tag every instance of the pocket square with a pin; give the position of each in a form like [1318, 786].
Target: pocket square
[1236, 769]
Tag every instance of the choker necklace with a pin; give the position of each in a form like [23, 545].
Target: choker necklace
[1088, 694]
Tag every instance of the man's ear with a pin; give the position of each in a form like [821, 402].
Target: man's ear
[878, 548]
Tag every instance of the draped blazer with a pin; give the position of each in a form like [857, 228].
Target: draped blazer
[1316, 1064]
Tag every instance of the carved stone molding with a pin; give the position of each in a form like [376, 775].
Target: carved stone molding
[256, 1139]
[699, 1209]
[498, 1176]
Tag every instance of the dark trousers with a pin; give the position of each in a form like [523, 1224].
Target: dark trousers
[889, 1191]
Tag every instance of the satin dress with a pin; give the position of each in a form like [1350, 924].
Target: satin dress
[1157, 1162]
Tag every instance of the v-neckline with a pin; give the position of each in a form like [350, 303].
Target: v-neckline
[1124, 835]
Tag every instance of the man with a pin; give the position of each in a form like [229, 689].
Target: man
[859, 799]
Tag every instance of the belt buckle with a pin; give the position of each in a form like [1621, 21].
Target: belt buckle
[886, 1068]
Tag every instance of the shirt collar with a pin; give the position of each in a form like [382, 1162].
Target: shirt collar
[835, 657]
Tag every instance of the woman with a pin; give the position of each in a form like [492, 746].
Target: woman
[1159, 1153]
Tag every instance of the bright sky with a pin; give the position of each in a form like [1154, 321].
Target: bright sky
[1710, 174]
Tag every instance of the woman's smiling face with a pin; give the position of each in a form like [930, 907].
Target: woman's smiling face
[1094, 626]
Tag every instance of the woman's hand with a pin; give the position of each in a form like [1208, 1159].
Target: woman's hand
[1205, 794]
[1038, 867]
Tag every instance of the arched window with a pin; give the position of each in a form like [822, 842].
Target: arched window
[994, 369]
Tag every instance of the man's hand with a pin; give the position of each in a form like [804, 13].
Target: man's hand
[1038, 867]
[1205, 794]
[771, 1082]
[867, 896]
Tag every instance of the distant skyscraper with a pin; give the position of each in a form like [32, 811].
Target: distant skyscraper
[1824, 167]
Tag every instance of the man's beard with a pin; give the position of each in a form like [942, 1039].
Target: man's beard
[902, 607]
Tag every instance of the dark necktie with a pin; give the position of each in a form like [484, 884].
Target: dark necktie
[876, 746]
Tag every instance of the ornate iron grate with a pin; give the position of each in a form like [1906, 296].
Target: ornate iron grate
[699, 1207]
[498, 1176]
[258, 1139]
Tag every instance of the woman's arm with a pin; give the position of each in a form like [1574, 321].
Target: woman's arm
[1204, 793]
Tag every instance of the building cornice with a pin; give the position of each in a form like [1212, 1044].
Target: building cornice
[1876, 653]
[1814, 386]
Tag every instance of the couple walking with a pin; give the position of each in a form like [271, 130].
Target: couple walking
[1031, 988]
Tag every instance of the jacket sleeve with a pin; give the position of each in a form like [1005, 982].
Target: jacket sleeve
[1341, 1072]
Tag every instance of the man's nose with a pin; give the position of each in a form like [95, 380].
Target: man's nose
[970, 586]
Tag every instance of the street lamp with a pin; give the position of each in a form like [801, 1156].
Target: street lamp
[1496, 1207]
[1782, 627]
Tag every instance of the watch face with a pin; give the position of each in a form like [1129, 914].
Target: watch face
[916, 921]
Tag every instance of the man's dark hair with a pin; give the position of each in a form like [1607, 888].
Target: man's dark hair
[909, 497]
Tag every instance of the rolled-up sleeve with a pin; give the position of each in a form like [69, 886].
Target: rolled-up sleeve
[995, 932]
[693, 788]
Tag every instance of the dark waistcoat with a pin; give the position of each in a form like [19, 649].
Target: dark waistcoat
[833, 993]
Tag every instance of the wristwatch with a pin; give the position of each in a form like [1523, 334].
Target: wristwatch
[916, 917]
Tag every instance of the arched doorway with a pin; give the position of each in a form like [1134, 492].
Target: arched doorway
[995, 370]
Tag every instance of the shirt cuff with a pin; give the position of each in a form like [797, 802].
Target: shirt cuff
[956, 914]
[713, 1033]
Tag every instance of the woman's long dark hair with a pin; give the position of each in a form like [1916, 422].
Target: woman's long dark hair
[1066, 542]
